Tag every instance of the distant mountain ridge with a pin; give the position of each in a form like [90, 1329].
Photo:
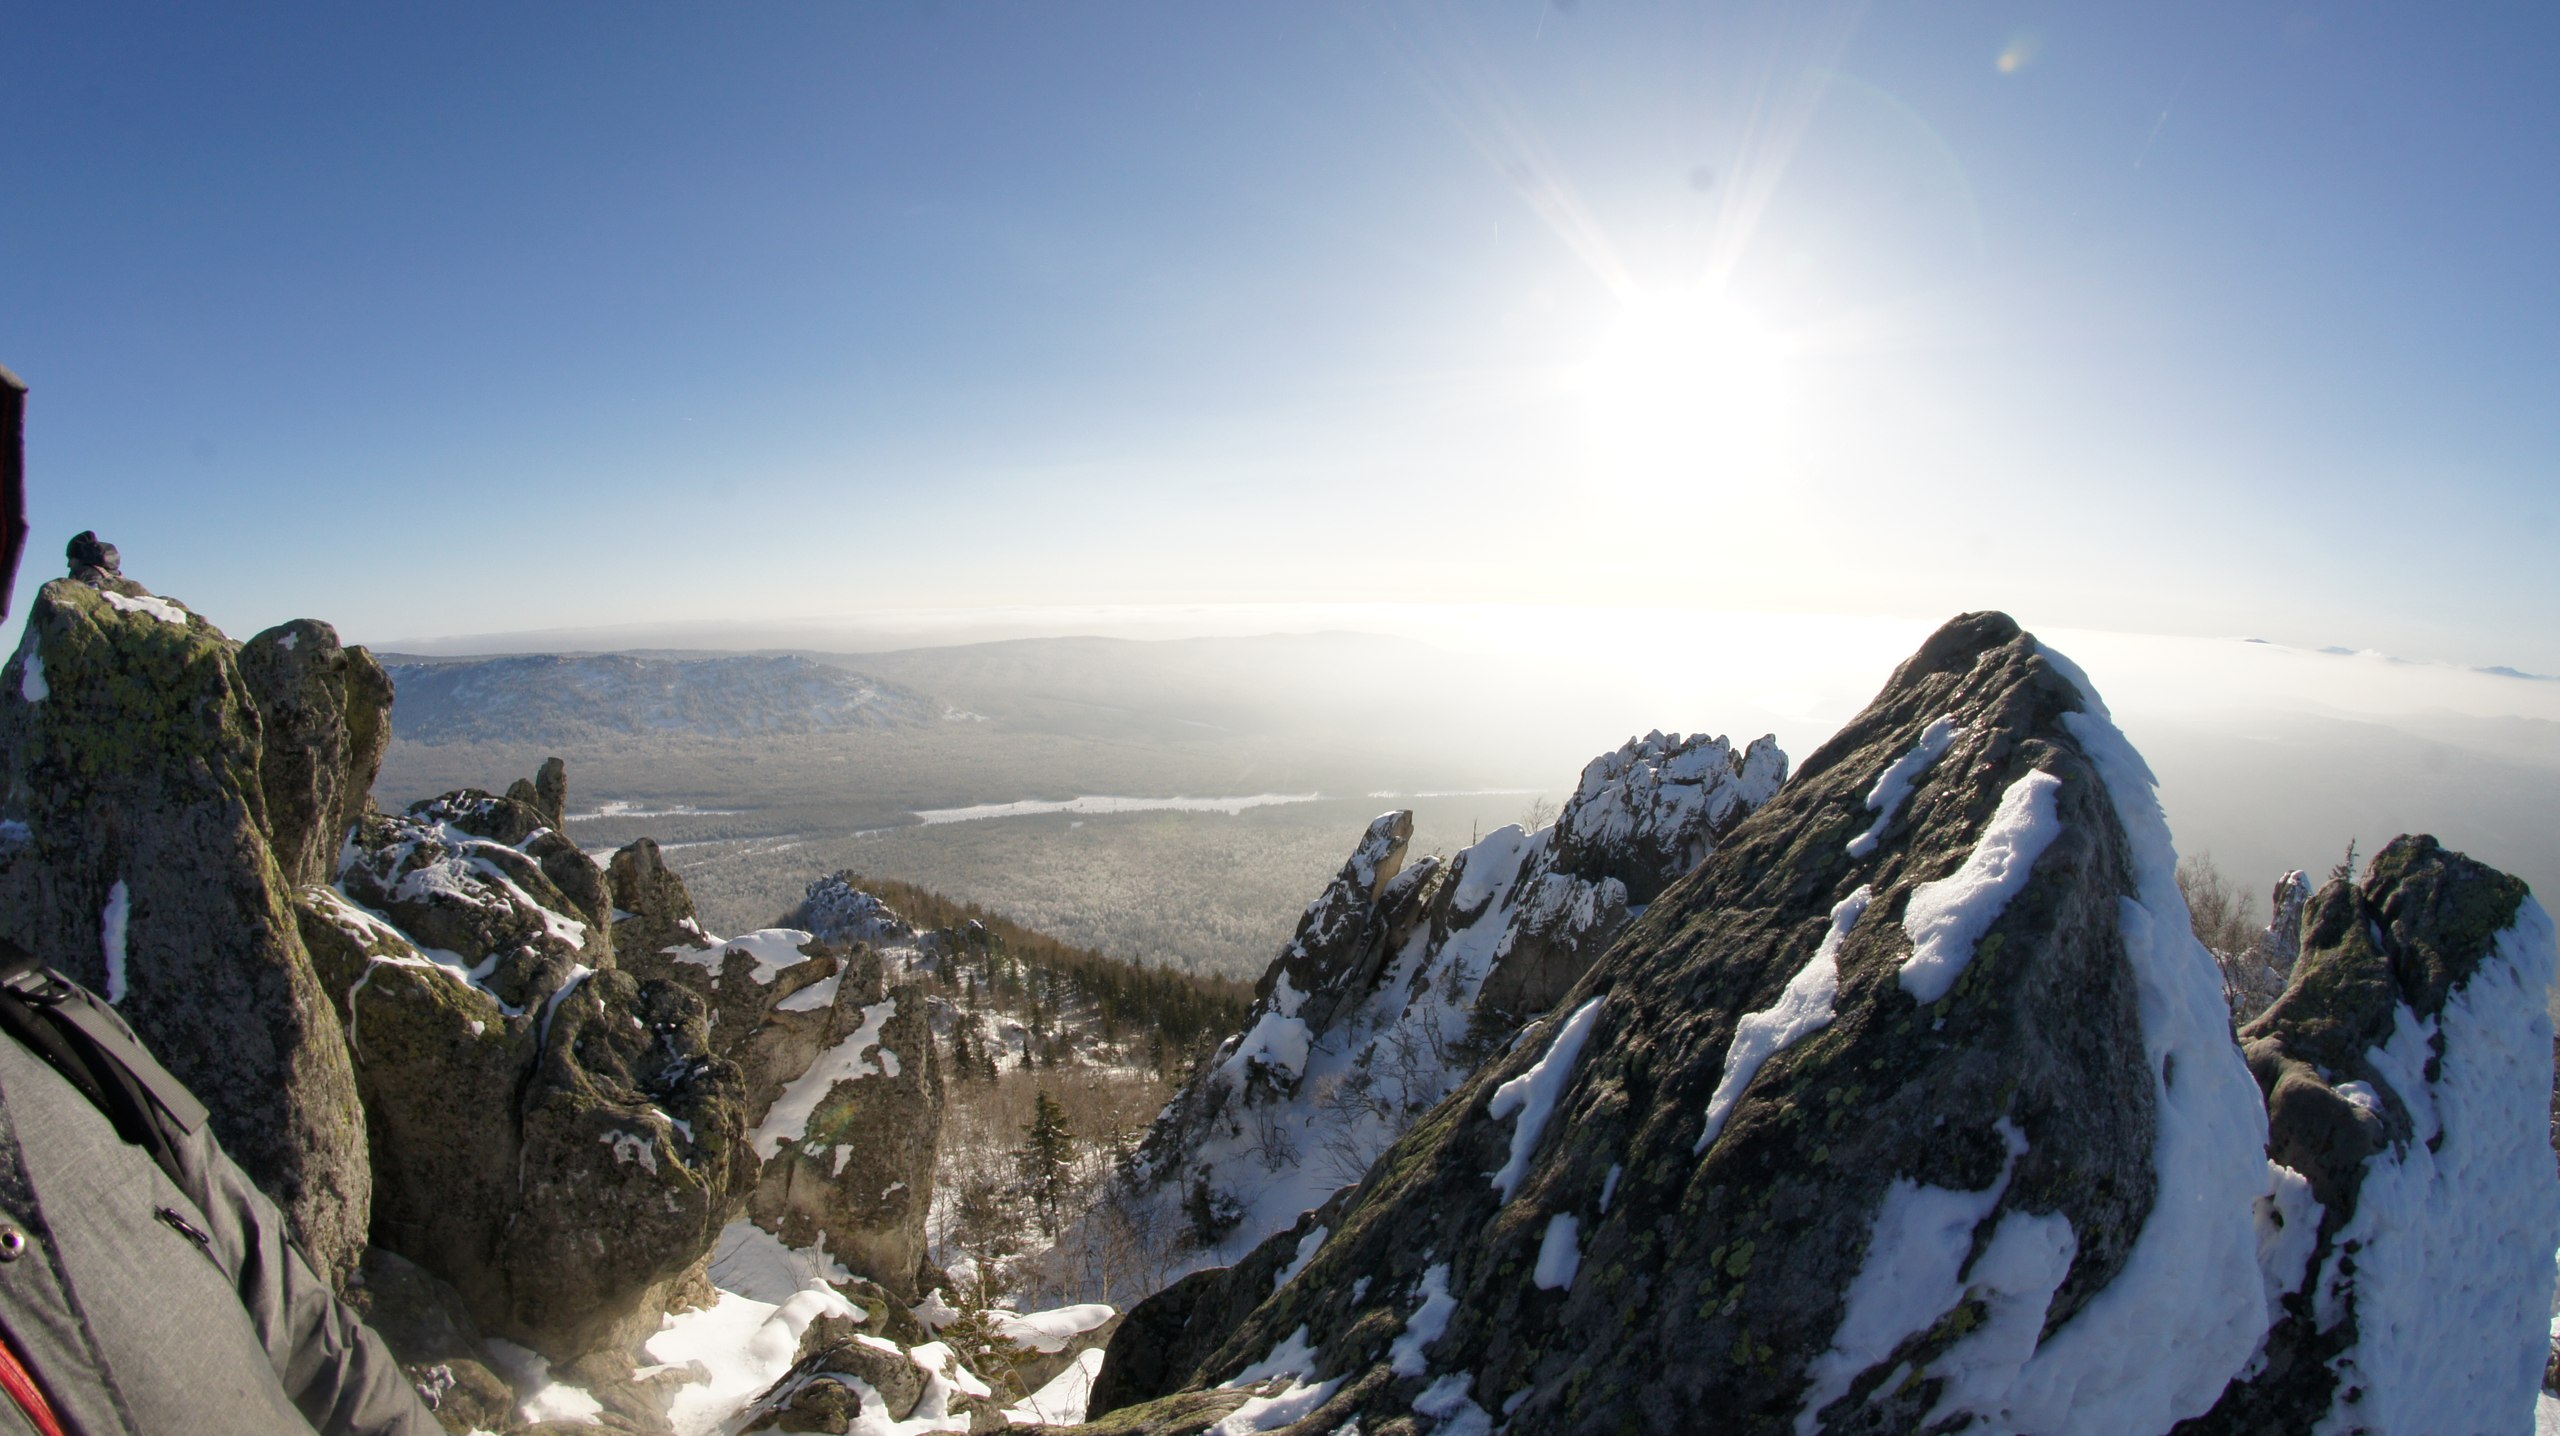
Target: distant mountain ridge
[562, 698]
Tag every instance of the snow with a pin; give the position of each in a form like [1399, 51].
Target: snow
[1308, 1246]
[2452, 1280]
[1104, 803]
[2288, 1221]
[746, 1345]
[1293, 1359]
[1912, 1274]
[1291, 1405]
[159, 608]
[1559, 1253]
[1609, 1186]
[1947, 917]
[753, 1262]
[111, 934]
[1426, 1325]
[2161, 1341]
[788, 1119]
[31, 684]
[816, 997]
[1533, 1094]
[1049, 1331]
[1803, 1009]
[1277, 1042]
[773, 948]
[1062, 1401]
[2014, 1279]
[1885, 799]
[1447, 1402]
[528, 1371]
[631, 1147]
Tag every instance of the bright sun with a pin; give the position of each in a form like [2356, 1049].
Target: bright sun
[1686, 382]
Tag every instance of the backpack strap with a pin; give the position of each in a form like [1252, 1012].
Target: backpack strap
[89, 1044]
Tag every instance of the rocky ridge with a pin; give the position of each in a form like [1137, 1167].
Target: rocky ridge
[1403, 974]
[1916, 1107]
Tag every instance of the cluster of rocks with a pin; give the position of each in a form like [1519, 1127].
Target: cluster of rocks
[1916, 1106]
[502, 1092]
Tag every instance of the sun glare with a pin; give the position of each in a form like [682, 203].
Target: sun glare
[1688, 381]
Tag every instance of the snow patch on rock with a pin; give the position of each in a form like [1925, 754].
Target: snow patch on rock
[1803, 1009]
[1885, 799]
[1947, 917]
[1533, 1094]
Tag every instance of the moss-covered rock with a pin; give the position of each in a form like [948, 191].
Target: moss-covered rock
[133, 750]
[323, 709]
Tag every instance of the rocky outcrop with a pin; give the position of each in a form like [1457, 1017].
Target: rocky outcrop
[849, 1142]
[653, 910]
[2403, 1070]
[139, 858]
[1914, 1106]
[552, 1135]
[834, 910]
[1403, 974]
[325, 715]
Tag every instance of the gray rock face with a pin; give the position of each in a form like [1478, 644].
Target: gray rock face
[133, 749]
[1402, 976]
[324, 712]
[1847, 1133]
[2400, 1069]
[848, 1144]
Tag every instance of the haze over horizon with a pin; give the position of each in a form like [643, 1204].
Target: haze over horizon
[470, 320]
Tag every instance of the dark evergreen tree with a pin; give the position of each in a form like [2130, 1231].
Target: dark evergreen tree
[1047, 1158]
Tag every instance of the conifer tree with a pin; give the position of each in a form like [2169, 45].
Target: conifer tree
[1047, 1157]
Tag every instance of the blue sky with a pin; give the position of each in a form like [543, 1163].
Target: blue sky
[2185, 318]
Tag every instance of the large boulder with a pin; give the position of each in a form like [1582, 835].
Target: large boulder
[849, 1142]
[1402, 975]
[557, 1140]
[136, 855]
[1914, 1107]
[325, 711]
[2410, 1231]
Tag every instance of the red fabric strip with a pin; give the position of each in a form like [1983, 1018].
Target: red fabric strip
[22, 1389]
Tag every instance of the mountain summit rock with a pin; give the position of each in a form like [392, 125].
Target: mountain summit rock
[1915, 1107]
